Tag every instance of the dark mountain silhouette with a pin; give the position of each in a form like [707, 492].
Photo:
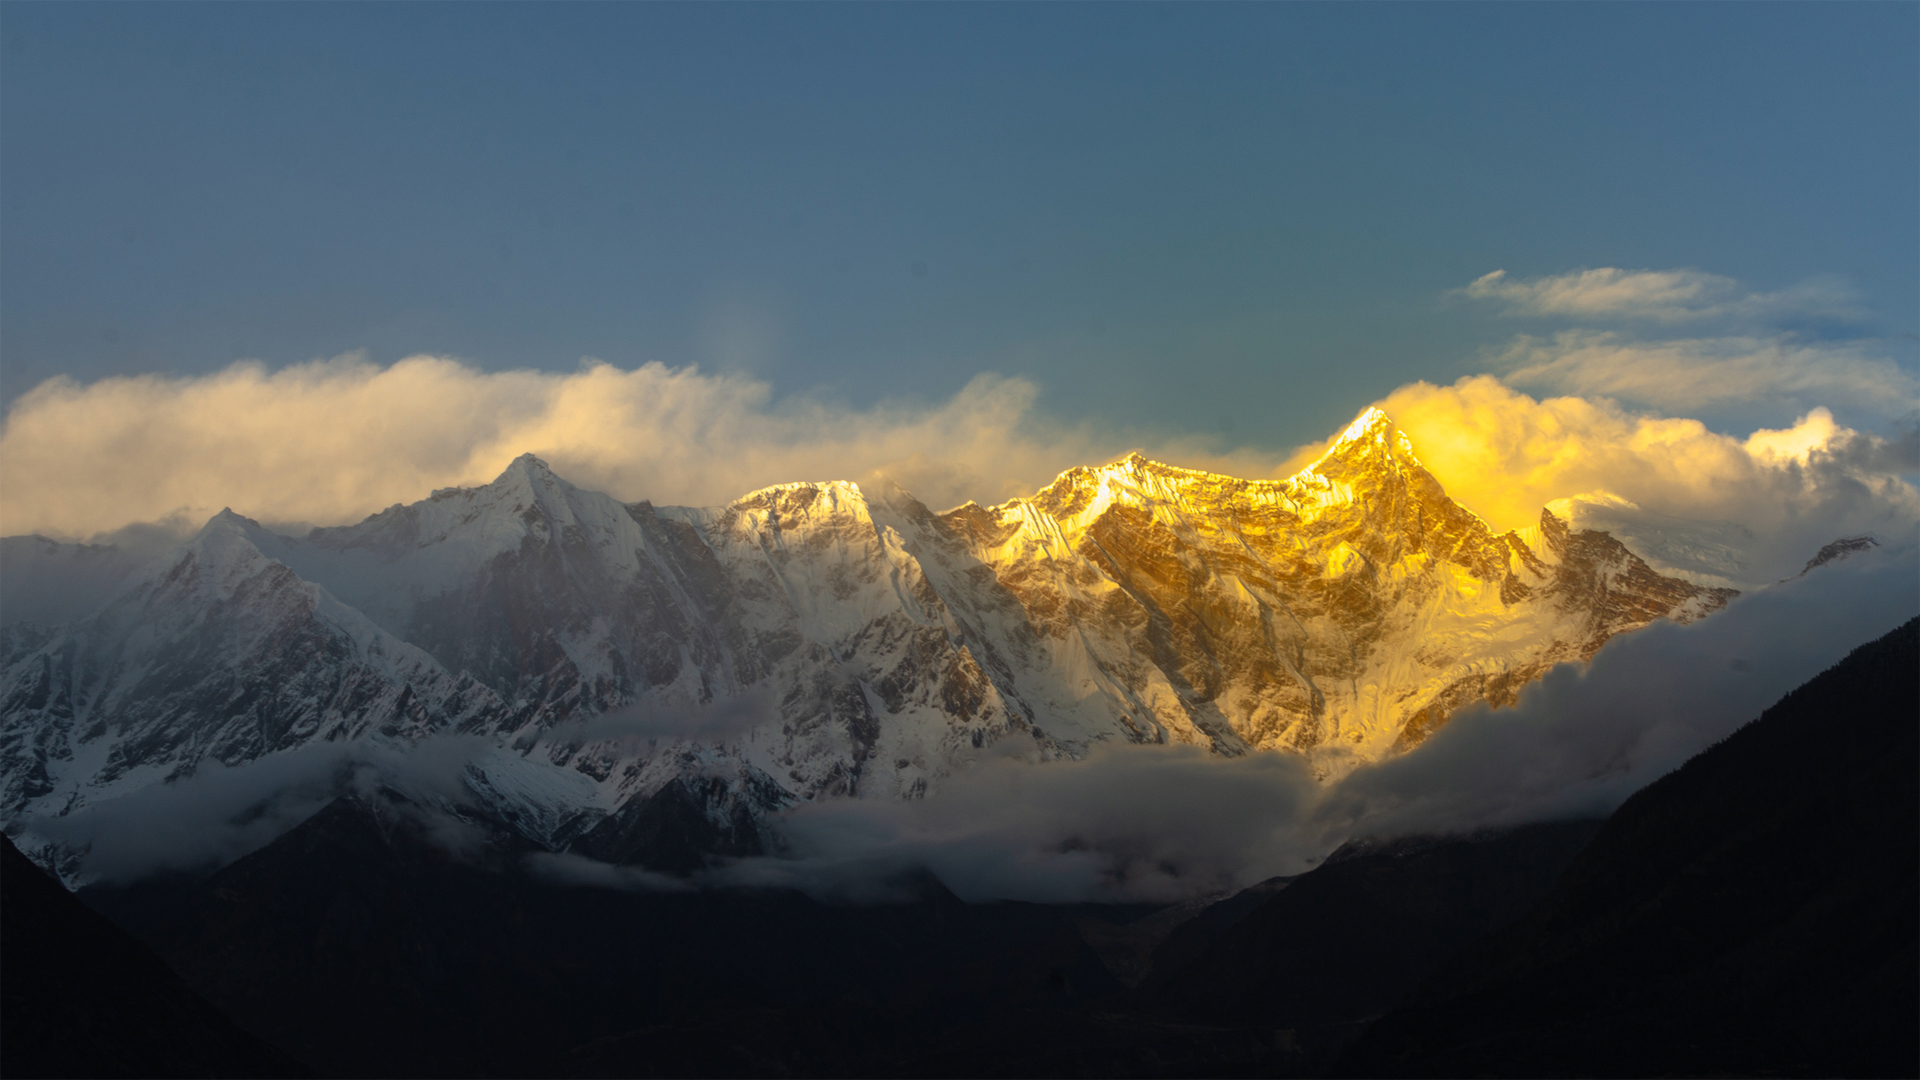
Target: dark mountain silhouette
[1278, 986]
[81, 997]
[1752, 913]
[1341, 945]
[360, 944]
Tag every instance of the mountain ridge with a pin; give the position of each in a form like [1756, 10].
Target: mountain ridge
[1342, 614]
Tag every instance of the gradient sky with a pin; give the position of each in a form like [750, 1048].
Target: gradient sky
[1237, 221]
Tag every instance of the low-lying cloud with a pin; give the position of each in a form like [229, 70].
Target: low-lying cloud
[1140, 822]
[219, 813]
[566, 869]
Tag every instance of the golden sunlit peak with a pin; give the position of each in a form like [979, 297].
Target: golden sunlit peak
[1365, 425]
[1372, 431]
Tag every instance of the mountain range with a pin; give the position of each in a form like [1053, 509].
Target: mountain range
[619, 665]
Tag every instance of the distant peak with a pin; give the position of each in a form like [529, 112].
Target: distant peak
[1133, 462]
[527, 466]
[1840, 549]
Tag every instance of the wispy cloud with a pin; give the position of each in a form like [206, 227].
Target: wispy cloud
[1661, 296]
[1697, 373]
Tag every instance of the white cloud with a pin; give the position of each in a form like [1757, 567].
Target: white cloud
[1661, 296]
[1505, 455]
[1127, 822]
[332, 441]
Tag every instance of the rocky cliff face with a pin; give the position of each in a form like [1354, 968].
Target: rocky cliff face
[817, 640]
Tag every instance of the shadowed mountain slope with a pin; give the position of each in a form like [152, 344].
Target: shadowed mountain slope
[1752, 913]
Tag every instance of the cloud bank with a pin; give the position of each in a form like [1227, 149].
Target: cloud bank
[332, 441]
[1505, 455]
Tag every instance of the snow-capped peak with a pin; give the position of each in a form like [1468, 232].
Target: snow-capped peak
[526, 465]
[1372, 437]
[1371, 423]
[528, 476]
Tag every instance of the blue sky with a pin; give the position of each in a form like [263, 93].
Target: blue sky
[1240, 222]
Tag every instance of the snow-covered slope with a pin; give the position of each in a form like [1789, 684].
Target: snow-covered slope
[821, 639]
[215, 651]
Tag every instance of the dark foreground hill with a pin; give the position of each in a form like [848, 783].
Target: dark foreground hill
[82, 998]
[363, 948]
[1753, 913]
[1283, 987]
[359, 944]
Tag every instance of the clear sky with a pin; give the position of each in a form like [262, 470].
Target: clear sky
[1238, 221]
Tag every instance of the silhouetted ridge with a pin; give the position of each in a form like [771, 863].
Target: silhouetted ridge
[80, 997]
[1752, 913]
[358, 942]
[1340, 945]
